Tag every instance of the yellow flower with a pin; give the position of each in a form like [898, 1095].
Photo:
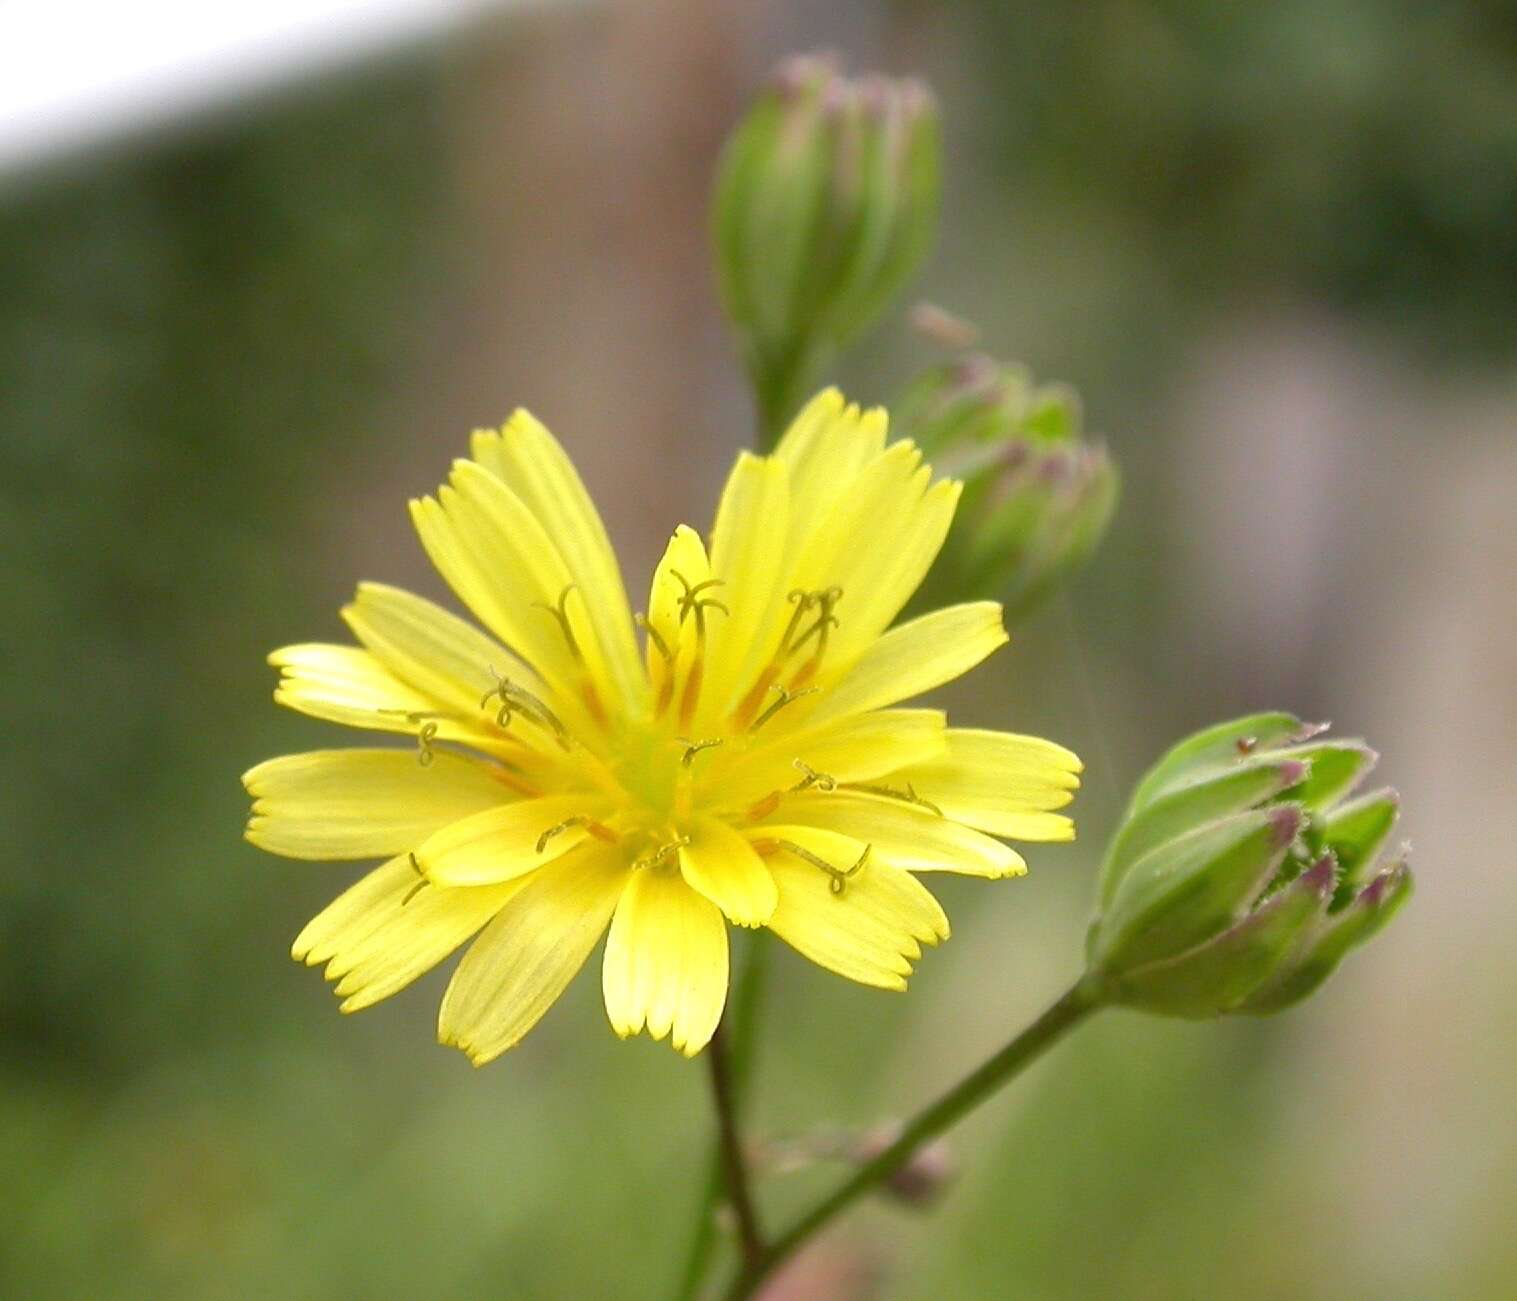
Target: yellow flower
[749, 765]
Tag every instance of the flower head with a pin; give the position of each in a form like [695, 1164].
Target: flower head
[749, 763]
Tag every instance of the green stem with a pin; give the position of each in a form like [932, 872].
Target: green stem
[743, 1015]
[927, 1124]
[734, 1167]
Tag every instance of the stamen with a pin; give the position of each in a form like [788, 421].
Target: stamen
[514, 698]
[906, 795]
[827, 598]
[660, 855]
[822, 781]
[424, 738]
[786, 697]
[597, 829]
[560, 611]
[693, 748]
[838, 877]
[692, 602]
[654, 636]
[420, 885]
[803, 601]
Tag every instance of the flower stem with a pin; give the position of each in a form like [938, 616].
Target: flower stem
[734, 1168]
[963, 1097]
[743, 1018]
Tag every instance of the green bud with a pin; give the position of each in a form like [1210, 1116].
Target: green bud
[1241, 875]
[1038, 495]
[825, 204]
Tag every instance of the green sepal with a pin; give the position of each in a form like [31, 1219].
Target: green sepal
[1354, 833]
[1323, 949]
[1213, 745]
[1334, 769]
[1219, 975]
[1207, 793]
[1188, 890]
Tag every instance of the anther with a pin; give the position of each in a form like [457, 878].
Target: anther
[785, 697]
[812, 778]
[693, 748]
[837, 877]
[560, 611]
[597, 829]
[654, 636]
[758, 812]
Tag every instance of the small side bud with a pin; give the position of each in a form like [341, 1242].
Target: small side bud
[925, 1177]
[1241, 874]
[825, 205]
[1038, 493]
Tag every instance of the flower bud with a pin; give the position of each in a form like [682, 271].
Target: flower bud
[825, 204]
[1037, 495]
[922, 1180]
[1241, 875]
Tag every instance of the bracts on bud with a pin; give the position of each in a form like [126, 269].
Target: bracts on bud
[1038, 493]
[1241, 875]
[825, 204]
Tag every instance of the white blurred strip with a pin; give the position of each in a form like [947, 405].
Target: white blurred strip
[75, 73]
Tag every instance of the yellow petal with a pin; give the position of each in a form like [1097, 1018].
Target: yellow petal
[508, 840]
[494, 554]
[428, 648]
[524, 959]
[748, 554]
[723, 866]
[877, 591]
[530, 461]
[828, 446]
[858, 747]
[903, 835]
[916, 657]
[666, 962]
[675, 664]
[1001, 783]
[363, 803]
[872, 930]
[344, 684]
[876, 545]
[518, 554]
[384, 932]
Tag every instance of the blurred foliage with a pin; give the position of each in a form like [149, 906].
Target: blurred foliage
[188, 338]
[1357, 152]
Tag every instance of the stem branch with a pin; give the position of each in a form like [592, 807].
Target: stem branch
[963, 1097]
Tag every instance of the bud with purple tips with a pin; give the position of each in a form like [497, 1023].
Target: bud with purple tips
[825, 204]
[1241, 875]
[1038, 494]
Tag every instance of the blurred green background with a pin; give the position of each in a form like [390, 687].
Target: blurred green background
[1276, 248]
